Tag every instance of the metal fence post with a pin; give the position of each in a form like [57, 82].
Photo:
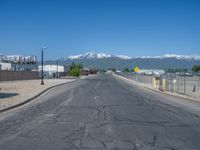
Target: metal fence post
[178, 85]
[174, 83]
[184, 84]
[198, 80]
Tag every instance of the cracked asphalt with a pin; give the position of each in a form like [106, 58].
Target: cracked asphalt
[101, 113]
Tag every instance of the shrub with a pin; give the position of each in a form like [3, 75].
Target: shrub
[196, 68]
[75, 69]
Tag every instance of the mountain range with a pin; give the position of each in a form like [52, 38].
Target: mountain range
[94, 55]
[119, 62]
[104, 61]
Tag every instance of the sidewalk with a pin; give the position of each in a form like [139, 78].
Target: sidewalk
[195, 97]
[16, 92]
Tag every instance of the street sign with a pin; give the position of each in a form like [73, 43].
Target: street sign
[136, 69]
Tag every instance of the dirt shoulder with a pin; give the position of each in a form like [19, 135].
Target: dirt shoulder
[16, 92]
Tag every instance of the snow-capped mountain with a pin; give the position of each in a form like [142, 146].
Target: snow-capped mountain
[93, 55]
[196, 57]
[185, 57]
[103, 61]
[123, 57]
[89, 55]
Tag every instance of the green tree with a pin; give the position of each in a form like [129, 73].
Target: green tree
[80, 66]
[196, 68]
[75, 69]
[126, 70]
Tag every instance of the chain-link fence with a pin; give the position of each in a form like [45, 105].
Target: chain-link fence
[182, 84]
[170, 82]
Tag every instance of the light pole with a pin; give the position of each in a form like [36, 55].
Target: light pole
[198, 80]
[42, 62]
[57, 70]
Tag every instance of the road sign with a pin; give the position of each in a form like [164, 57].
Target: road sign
[136, 69]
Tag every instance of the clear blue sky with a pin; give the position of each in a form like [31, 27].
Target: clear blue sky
[134, 28]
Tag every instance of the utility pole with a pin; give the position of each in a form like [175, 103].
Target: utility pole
[42, 62]
[57, 70]
[198, 80]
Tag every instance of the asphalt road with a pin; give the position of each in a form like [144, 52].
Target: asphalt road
[102, 112]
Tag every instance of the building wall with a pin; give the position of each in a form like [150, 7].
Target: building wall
[24, 67]
[51, 68]
[50, 71]
[5, 66]
[155, 72]
[6, 75]
[19, 59]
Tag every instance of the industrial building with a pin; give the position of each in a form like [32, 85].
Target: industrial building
[51, 70]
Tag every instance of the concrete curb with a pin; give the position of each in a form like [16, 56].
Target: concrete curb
[166, 93]
[34, 97]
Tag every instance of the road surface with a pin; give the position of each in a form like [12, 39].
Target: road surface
[102, 113]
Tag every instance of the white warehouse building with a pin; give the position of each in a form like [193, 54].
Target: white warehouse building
[51, 70]
[156, 72]
[5, 66]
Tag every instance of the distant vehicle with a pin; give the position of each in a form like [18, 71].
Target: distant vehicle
[85, 72]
